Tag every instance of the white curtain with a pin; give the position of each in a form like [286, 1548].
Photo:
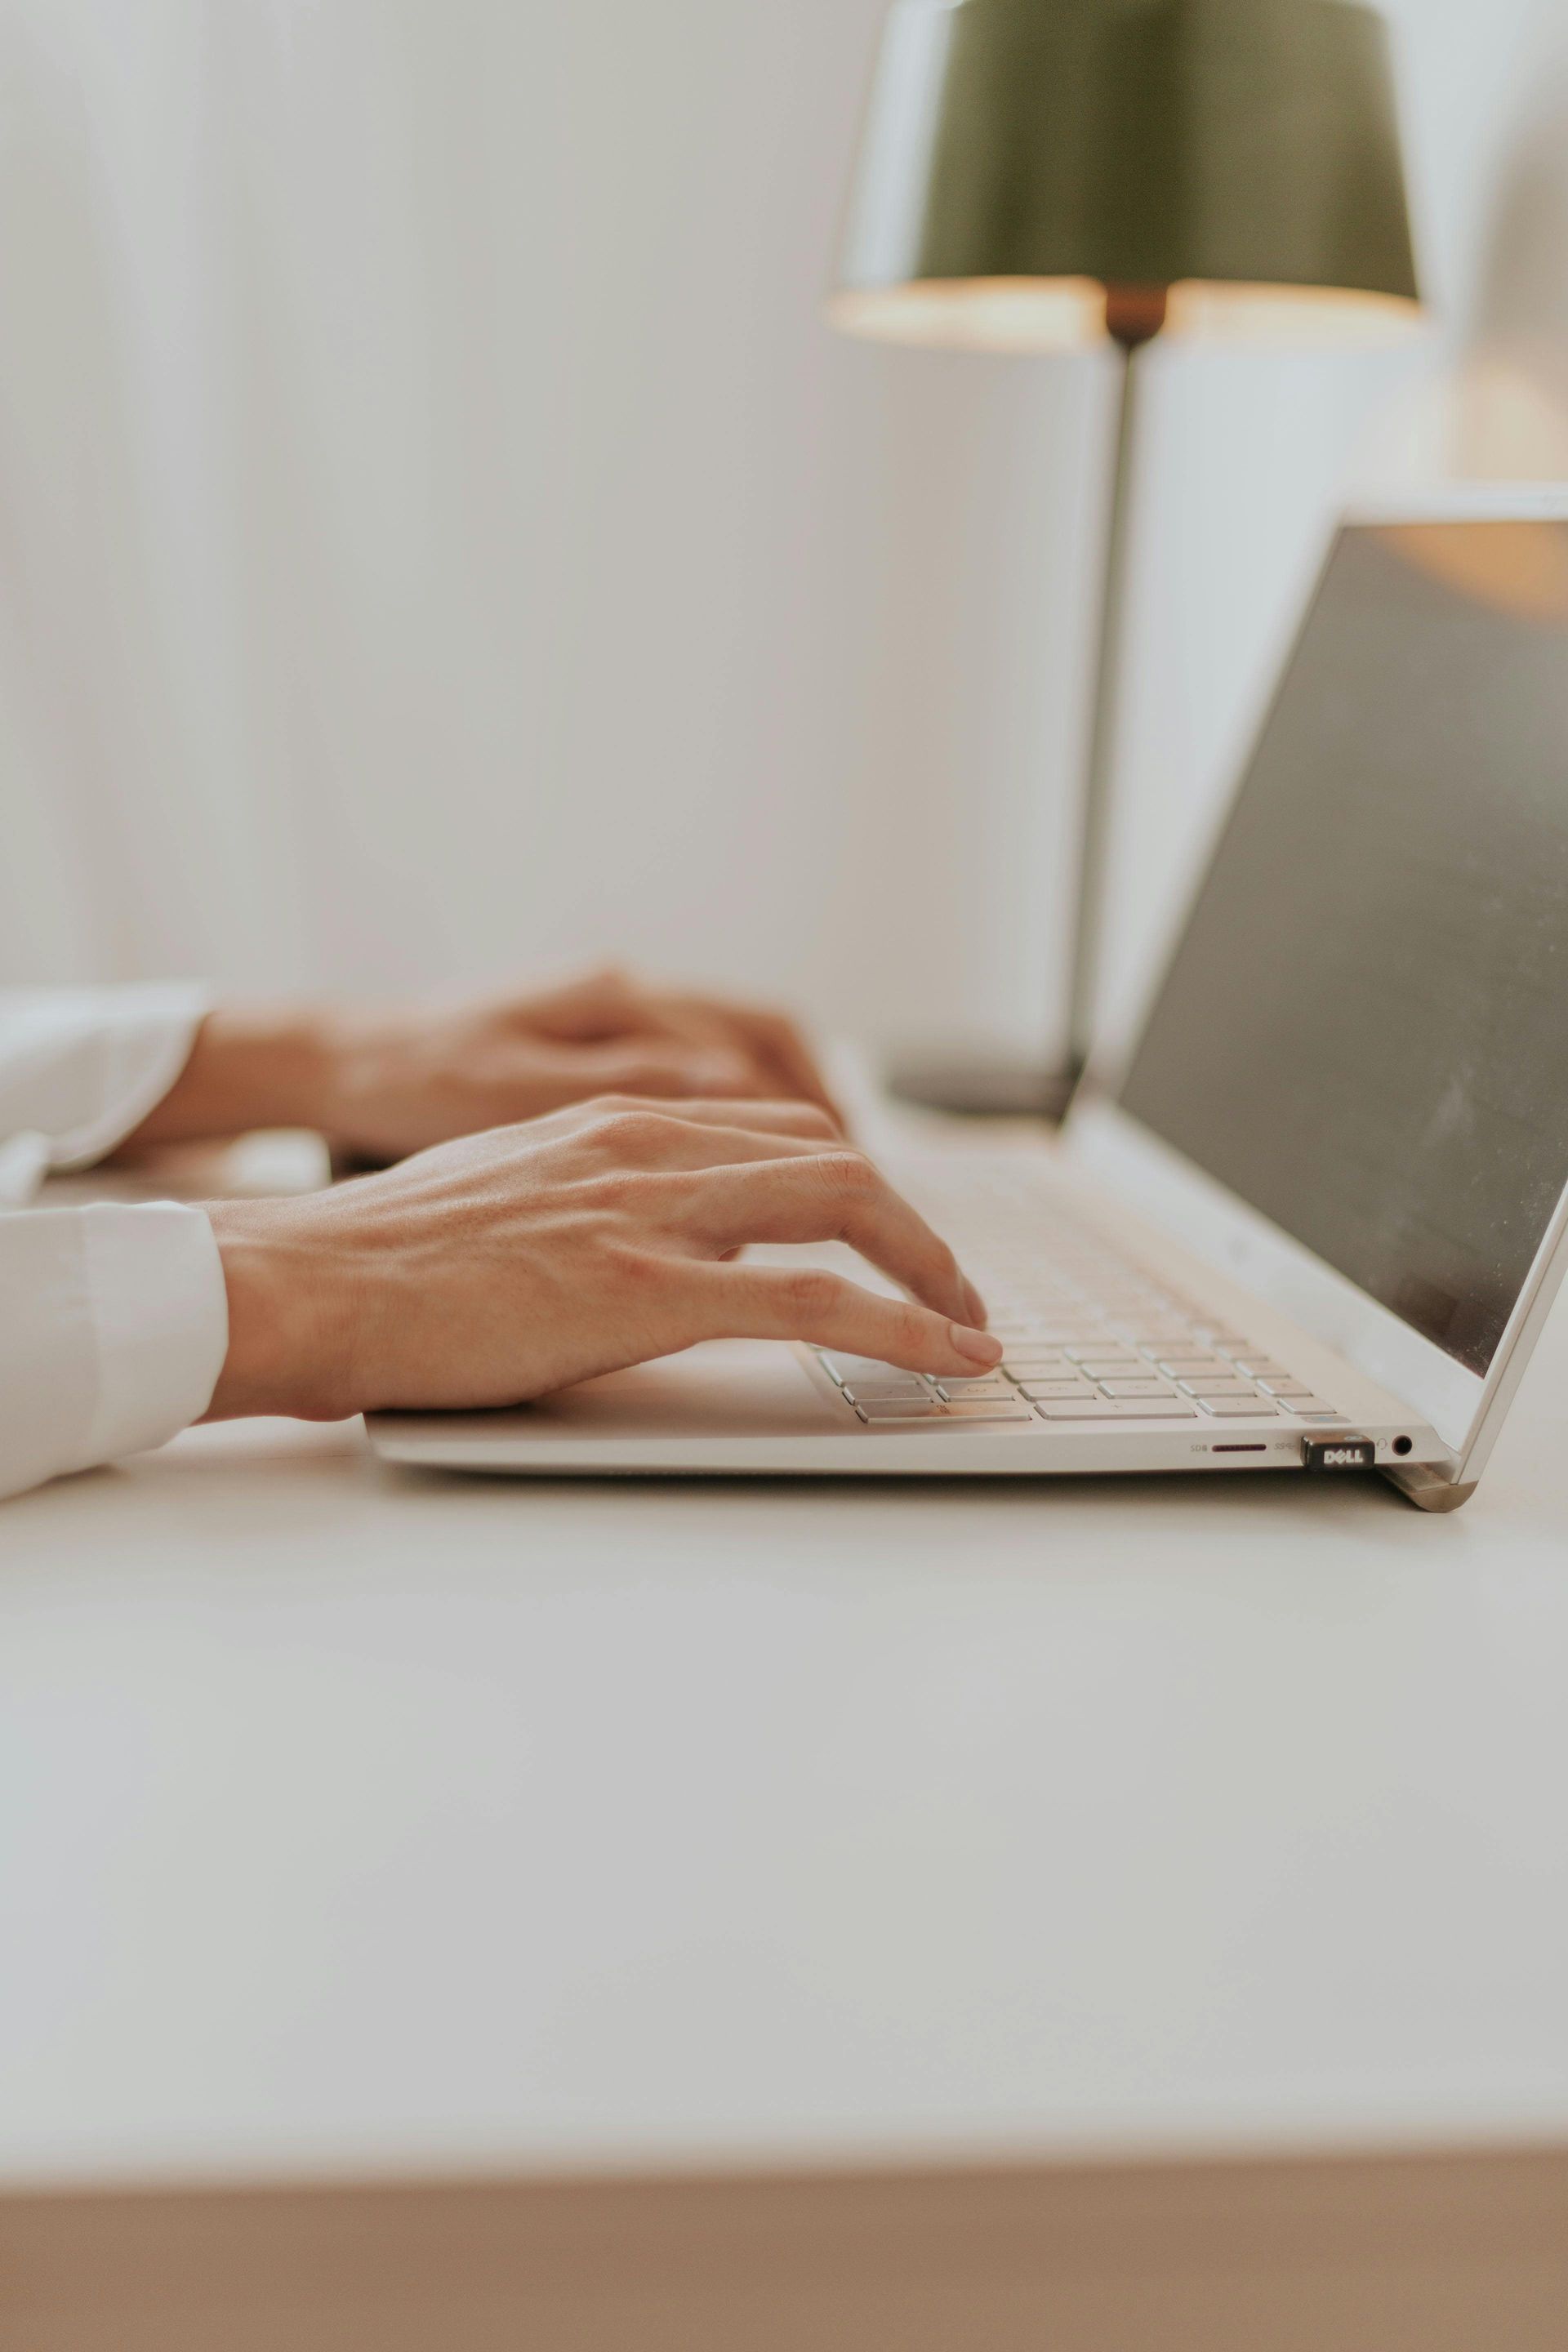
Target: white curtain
[438, 534]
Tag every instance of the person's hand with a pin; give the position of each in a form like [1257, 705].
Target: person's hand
[494, 1270]
[381, 1082]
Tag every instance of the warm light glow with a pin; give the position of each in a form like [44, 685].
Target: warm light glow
[1514, 567]
[1293, 317]
[979, 314]
[1068, 314]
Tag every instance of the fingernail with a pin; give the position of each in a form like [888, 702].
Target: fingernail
[975, 1306]
[978, 1346]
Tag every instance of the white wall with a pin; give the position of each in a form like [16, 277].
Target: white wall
[437, 536]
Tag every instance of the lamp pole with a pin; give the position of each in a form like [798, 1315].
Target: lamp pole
[1134, 315]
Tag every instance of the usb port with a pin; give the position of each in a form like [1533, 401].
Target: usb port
[1339, 1453]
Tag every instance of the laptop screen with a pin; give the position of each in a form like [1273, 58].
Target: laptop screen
[1364, 1032]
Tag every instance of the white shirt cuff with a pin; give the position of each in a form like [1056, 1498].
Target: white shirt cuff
[160, 1308]
[82, 1067]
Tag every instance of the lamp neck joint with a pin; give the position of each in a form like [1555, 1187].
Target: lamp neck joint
[1134, 314]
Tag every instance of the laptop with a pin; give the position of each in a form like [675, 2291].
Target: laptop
[1315, 1220]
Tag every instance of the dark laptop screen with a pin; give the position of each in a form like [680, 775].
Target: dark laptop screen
[1365, 1029]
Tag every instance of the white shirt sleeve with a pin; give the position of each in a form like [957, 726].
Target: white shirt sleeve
[113, 1320]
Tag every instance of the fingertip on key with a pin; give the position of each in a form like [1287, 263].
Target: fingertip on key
[978, 1346]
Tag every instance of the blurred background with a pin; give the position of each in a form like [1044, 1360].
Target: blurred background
[440, 539]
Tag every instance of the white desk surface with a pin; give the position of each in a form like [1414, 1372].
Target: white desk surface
[355, 1822]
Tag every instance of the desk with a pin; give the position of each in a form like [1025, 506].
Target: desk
[1051, 1843]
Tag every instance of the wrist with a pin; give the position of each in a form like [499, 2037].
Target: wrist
[249, 1067]
[293, 1313]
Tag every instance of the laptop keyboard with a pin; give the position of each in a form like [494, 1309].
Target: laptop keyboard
[1091, 1338]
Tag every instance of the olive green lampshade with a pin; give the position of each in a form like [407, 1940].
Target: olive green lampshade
[1232, 166]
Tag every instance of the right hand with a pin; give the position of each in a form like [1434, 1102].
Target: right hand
[514, 1263]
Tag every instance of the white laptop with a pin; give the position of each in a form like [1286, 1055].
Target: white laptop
[1317, 1220]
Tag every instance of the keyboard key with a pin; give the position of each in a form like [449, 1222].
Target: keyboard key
[886, 1391]
[988, 1409]
[960, 1391]
[1137, 1388]
[1253, 1408]
[1281, 1385]
[1206, 1385]
[1187, 1367]
[844, 1367]
[1108, 1408]
[1061, 1321]
[1084, 1408]
[901, 1408]
[1020, 1366]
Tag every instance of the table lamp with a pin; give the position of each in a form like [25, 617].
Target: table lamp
[1039, 175]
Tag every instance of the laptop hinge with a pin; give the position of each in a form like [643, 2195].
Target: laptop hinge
[1427, 1488]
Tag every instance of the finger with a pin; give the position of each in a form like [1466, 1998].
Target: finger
[601, 1004]
[832, 1196]
[804, 1120]
[780, 1043]
[656, 1135]
[771, 1038]
[825, 1311]
[663, 1024]
[607, 1005]
[669, 1070]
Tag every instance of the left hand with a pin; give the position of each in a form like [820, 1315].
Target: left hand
[382, 1082]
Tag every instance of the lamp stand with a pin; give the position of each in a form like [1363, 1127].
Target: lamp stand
[999, 1084]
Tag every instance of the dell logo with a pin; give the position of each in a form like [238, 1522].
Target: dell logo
[1338, 1454]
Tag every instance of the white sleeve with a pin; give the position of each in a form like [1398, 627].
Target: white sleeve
[113, 1329]
[113, 1320]
[80, 1067]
